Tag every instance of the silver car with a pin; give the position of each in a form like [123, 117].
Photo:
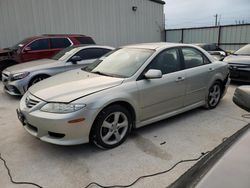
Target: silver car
[131, 87]
[18, 78]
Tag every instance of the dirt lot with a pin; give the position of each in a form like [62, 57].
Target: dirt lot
[150, 149]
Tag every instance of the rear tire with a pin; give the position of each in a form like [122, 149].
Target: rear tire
[214, 95]
[111, 127]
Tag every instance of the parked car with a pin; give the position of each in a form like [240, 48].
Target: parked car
[18, 78]
[242, 97]
[239, 64]
[39, 47]
[214, 50]
[130, 87]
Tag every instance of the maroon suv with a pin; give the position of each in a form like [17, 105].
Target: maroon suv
[39, 47]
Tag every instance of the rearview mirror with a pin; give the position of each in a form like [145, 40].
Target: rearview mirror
[153, 74]
[74, 59]
[27, 49]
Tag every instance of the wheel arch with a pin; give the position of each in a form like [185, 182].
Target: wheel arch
[38, 75]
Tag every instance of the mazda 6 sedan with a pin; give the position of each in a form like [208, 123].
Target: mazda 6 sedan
[130, 87]
[18, 78]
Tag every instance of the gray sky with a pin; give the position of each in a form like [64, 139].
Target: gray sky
[190, 13]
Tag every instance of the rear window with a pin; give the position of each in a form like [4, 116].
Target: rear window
[85, 40]
[60, 42]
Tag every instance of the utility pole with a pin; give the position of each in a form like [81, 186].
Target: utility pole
[216, 19]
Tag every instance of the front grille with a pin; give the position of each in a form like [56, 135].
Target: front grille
[31, 101]
[5, 75]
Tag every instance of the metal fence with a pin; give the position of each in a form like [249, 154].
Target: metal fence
[228, 37]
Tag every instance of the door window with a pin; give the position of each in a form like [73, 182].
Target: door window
[40, 44]
[167, 61]
[92, 53]
[193, 58]
[60, 42]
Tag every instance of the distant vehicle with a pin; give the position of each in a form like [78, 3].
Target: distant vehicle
[39, 47]
[239, 64]
[130, 87]
[214, 50]
[18, 78]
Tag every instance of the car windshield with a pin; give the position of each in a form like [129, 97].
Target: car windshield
[65, 53]
[20, 44]
[122, 62]
[245, 50]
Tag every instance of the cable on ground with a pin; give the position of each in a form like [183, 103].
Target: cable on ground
[11, 178]
[149, 175]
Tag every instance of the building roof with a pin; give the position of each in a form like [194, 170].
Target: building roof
[158, 1]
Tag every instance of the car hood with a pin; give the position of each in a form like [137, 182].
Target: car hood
[32, 66]
[242, 59]
[72, 85]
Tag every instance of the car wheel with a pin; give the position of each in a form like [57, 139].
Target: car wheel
[214, 95]
[37, 79]
[111, 127]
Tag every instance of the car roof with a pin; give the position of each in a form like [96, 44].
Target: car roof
[92, 46]
[56, 35]
[157, 46]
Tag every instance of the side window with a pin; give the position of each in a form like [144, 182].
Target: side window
[167, 61]
[40, 44]
[92, 53]
[192, 58]
[85, 40]
[60, 42]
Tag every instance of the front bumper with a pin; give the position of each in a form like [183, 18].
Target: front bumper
[17, 87]
[239, 74]
[54, 128]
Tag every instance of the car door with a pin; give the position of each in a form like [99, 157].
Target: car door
[88, 56]
[166, 94]
[198, 70]
[37, 49]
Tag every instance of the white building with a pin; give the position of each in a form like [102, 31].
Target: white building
[109, 22]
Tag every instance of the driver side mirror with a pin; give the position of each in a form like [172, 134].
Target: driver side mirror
[74, 59]
[153, 74]
[27, 49]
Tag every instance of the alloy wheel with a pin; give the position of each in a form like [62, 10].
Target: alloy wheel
[114, 128]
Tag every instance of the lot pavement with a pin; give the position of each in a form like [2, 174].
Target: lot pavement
[150, 149]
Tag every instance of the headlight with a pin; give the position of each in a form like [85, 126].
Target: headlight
[61, 108]
[19, 76]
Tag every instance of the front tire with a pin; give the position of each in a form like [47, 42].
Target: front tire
[112, 127]
[37, 79]
[214, 95]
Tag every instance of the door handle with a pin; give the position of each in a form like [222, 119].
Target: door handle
[211, 69]
[181, 78]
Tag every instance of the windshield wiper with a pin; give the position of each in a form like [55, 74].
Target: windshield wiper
[101, 73]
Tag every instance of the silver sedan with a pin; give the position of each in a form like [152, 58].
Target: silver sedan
[131, 87]
[18, 78]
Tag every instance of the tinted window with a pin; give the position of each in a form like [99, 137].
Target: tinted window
[40, 44]
[92, 53]
[167, 61]
[85, 40]
[192, 58]
[59, 42]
